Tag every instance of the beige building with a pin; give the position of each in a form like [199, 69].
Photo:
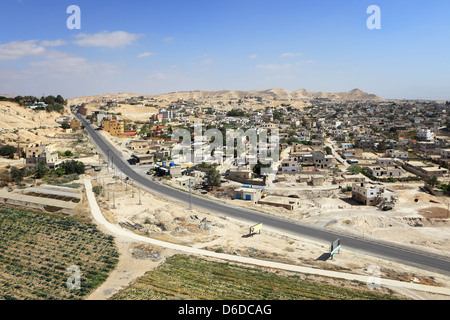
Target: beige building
[248, 194]
[39, 152]
[242, 174]
[371, 194]
[113, 127]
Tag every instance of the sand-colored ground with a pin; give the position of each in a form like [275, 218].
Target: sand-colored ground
[173, 222]
[13, 117]
[420, 224]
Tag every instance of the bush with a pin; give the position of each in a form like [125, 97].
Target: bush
[213, 177]
[97, 190]
[72, 167]
[65, 125]
[347, 189]
[8, 151]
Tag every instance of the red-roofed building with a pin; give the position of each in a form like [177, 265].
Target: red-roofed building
[130, 134]
[157, 117]
[158, 131]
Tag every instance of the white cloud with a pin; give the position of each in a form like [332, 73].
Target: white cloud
[61, 62]
[158, 76]
[207, 62]
[169, 39]
[146, 54]
[275, 67]
[284, 66]
[253, 56]
[290, 54]
[53, 43]
[20, 49]
[116, 39]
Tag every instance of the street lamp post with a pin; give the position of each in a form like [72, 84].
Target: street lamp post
[190, 195]
[114, 200]
[448, 207]
[107, 151]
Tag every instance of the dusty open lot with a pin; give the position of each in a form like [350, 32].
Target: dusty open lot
[173, 222]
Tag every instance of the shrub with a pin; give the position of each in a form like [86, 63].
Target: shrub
[97, 190]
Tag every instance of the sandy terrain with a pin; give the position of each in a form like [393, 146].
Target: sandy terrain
[173, 222]
[295, 98]
[409, 223]
[14, 117]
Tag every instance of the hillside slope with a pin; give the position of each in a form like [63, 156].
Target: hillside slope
[13, 116]
[270, 94]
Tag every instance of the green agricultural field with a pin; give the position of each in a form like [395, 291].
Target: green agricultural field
[182, 277]
[36, 250]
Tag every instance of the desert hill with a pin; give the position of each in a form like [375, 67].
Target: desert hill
[270, 94]
[274, 94]
[13, 116]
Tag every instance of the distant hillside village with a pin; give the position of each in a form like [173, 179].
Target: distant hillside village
[328, 145]
[49, 103]
[361, 146]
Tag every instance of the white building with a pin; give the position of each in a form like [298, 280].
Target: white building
[397, 154]
[445, 153]
[290, 165]
[371, 194]
[425, 134]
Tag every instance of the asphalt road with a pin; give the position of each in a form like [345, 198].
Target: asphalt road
[389, 251]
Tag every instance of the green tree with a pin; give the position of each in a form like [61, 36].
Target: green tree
[65, 125]
[382, 146]
[68, 153]
[73, 166]
[236, 113]
[8, 151]
[213, 177]
[355, 169]
[60, 100]
[257, 167]
[97, 190]
[16, 175]
[60, 172]
[41, 170]
[433, 181]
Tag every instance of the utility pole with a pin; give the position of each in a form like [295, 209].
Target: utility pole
[108, 160]
[132, 189]
[190, 195]
[140, 203]
[448, 205]
[114, 200]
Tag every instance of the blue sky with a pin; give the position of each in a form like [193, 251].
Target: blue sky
[151, 47]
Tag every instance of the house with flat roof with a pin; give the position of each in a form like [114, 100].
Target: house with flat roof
[248, 194]
[372, 194]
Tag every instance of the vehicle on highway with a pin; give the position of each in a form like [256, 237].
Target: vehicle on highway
[132, 161]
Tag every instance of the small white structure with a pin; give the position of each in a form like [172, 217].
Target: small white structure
[425, 134]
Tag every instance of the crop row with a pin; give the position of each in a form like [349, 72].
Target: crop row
[36, 250]
[183, 277]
